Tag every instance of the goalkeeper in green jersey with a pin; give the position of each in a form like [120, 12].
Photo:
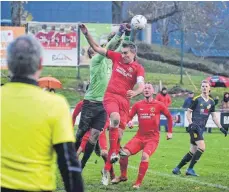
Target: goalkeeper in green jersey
[93, 114]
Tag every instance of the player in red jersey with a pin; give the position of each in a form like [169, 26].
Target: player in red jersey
[42, 35]
[126, 73]
[52, 37]
[147, 136]
[61, 37]
[72, 37]
[102, 141]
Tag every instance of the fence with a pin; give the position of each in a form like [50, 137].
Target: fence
[180, 120]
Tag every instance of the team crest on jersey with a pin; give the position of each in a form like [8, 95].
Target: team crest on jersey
[209, 106]
[130, 69]
[201, 104]
[152, 109]
[195, 135]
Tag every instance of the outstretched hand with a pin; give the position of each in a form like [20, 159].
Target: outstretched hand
[83, 28]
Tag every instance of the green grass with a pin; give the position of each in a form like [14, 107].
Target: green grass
[213, 167]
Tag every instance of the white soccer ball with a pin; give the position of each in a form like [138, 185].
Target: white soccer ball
[138, 22]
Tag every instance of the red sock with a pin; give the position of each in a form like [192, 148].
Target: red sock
[123, 166]
[142, 171]
[113, 136]
[85, 140]
[112, 173]
[108, 165]
[118, 147]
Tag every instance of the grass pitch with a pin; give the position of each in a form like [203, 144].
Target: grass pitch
[213, 167]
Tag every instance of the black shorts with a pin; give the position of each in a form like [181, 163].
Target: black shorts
[196, 135]
[93, 115]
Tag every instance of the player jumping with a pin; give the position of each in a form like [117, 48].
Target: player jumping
[101, 145]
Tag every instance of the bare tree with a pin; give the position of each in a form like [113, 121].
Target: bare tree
[194, 18]
[18, 14]
[152, 10]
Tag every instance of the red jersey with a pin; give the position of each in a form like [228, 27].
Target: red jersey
[149, 117]
[124, 76]
[166, 99]
[76, 111]
[42, 37]
[52, 38]
[72, 39]
[61, 39]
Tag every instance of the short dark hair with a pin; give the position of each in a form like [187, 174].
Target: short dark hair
[205, 81]
[131, 45]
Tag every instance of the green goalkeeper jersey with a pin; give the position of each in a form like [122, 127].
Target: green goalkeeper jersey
[100, 72]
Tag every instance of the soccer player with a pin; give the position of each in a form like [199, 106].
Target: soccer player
[42, 35]
[52, 37]
[147, 136]
[61, 37]
[101, 145]
[72, 37]
[93, 115]
[126, 73]
[34, 124]
[198, 112]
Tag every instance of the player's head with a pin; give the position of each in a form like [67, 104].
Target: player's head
[72, 28]
[129, 52]
[164, 91]
[148, 90]
[44, 27]
[191, 94]
[90, 52]
[24, 57]
[205, 87]
[226, 95]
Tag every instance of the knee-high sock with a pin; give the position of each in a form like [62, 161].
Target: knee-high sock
[195, 158]
[123, 166]
[142, 171]
[113, 137]
[111, 169]
[185, 160]
[87, 153]
[108, 165]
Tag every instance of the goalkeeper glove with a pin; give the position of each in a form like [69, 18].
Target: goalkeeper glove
[121, 29]
[128, 29]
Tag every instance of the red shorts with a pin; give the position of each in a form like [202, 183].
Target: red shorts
[137, 144]
[119, 104]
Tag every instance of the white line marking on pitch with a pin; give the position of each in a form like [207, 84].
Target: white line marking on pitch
[184, 179]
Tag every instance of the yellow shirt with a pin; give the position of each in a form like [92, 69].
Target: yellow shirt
[32, 121]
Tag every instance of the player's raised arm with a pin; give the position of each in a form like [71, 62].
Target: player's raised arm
[216, 121]
[97, 48]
